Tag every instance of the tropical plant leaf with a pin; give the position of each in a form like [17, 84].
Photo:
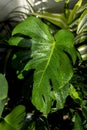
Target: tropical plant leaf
[60, 96]
[81, 37]
[15, 40]
[33, 27]
[67, 45]
[84, 111]
[2, 104]
[3, 87]
[55, 18]
[82, 24]
[3, 92]
[73, 93]
[14, 120]
[50, 60]
[77, 123]
[73, 13]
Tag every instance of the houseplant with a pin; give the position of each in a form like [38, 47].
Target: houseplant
[41, 74]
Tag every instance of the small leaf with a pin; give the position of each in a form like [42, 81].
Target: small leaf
[15, 40]
[14, 120]
[2, 104]
[73, 12]
[3, 87]
[73, 93]
[84, 111]
[78, 123]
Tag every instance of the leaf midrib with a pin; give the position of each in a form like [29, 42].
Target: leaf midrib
[53, 47]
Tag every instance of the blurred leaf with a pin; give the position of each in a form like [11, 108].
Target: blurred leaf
[58, 0]
[73, 93]
[82, 24]
[77, 123]
[14, 120]
[55, 18]
[2, 104]
[3, 87]
[3, 92]
[73, 13]
[15, 40]
[81, 37]
[82, 8]
[84, 111]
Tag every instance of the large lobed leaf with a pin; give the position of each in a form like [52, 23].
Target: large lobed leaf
[53, 68]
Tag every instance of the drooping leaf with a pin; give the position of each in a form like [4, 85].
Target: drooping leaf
[73, 13]
[84, 111]
[3, 92]
[82, 24]
[55, 18]
[2, 104]
[77, 123]
[3, 87]
[73, 93]
[50, 60]
[15, 40]
[14, 120]
[81, 37]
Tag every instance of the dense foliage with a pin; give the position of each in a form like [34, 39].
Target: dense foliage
[43, 75]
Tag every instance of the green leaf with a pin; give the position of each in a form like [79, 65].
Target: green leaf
[84, 111]
[60, 96]
[2, 104]
[33, 27]
[73, 93]
[82, 24]
[81, 37]
[14, 120]
[53, 68]
[55, 18]
[77, 123]
[73, 13]
[67, 45]
[15, 40]
[3, 92]
[3, 87]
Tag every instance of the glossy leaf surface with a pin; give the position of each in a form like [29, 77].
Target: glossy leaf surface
[53, 68]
